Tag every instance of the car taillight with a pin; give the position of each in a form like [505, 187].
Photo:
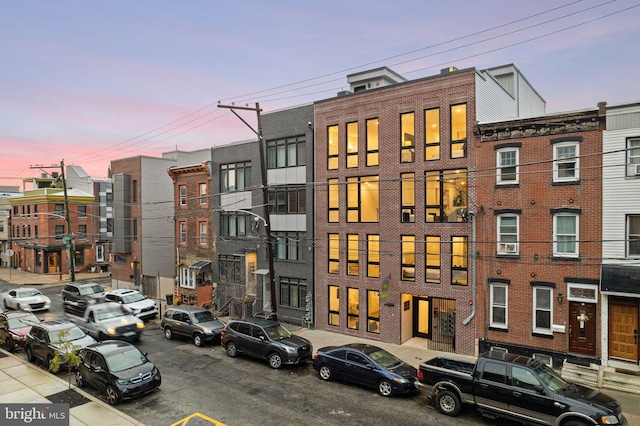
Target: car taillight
[222, 332]
[420, 376]
[316, 355]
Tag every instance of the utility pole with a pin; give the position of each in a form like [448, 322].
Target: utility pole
[265, 196]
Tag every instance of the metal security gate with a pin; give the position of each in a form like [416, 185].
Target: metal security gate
[435, 320]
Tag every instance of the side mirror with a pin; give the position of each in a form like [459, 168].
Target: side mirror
[539, 389]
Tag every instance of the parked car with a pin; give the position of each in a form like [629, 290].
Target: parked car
[265, 339]
[26, 299]
[134, 302]
[14, 327]
[195, 323]
[118, 369]
[50, 337]
[82, 293]
[366, 365]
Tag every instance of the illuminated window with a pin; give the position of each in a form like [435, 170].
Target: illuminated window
[373, 255]
[333, 148]
[372, 142]
[352, 145]
[334, 253]
[408, 197]
[407, 137]
[373, 311]
[334, 305]
[408, 251]
[352, 254]
[432, 260]
[446, 195]
[432, 134]
[334, 200]
[458, 131]
[459, 271]
[353, 308]
[363, 199]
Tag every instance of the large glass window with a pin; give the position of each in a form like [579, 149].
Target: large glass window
[373, 311]
[508, 234]
[408, 197]
[458, 131]
[334, 305]
[234, 224]
[289, 245]
[363, 199]
[633, 157]
[334, 253]
[542, 310]
[407, 137]
[372, 142]
[459, 260]
[352, 254]
[507, 170]
[565, 162]
[565, 235]
[373, 255]
[293, 292]
[353, 308]
[287, 152]
[408, 250]
[235, 176]
[499, 307]
[432, 259]
[446, 195]
[287, 200]
[352, 145]
[333, 147]
[230, 269]
[633, 235]
[334, 201]
[432, 134]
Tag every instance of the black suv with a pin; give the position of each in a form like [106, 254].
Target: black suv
[82, 294]
[265, 339]
[44, 340]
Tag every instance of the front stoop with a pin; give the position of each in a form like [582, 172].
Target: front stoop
[597, 376]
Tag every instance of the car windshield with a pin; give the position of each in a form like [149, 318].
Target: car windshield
[70, 334]
[25, 321]
[132, 298]
[551, 378]
[203, 316]
[384, 359]
[125, 359]
[104, 314]
[28, 292]
[91, 290]
[278, 332]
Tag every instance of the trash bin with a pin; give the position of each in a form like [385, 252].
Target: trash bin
[169, 299]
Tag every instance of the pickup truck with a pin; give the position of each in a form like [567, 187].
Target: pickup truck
[517, 388]
[105, 321]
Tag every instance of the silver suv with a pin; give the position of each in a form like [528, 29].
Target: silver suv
[192, 322]
[83, 293]
[265, 339]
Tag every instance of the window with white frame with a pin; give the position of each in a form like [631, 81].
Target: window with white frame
[507, 161]
[183, 195]
[508, 227]
[565, 162]
[542, 310]
[202, 231]
[633, 235]
[565, 235]
[202, 189]
[187, 278]
[633, 157]
[499, 305]
[183, 232]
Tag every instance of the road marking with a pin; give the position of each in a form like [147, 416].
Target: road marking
[200, 416]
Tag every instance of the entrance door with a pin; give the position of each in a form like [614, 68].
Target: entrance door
[422, 317]
[582, 328]
[623, 330]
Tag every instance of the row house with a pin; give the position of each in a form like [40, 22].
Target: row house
[539, 195]
[6, 192]
[620, 282]
[192, 206]
[395, 201]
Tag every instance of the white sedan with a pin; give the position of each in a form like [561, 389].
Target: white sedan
[27, 299]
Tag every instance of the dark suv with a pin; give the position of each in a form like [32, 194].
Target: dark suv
[265, 339]
[192, 322]
[82, 294]
[49, 337]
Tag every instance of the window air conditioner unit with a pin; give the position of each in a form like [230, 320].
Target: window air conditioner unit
[637, 169]
[511, 248]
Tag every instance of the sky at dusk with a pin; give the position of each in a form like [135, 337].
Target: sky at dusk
[89, 82]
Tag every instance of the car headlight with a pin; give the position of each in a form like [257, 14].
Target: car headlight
[401, 380]
[139, 325]
[610, 420]
[122, 381]
[111, 331]
[290, 349]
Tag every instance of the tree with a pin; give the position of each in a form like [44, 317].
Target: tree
[66, 355]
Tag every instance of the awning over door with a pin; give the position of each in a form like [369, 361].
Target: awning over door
[261, 272]
[201, 265]
[620, 279]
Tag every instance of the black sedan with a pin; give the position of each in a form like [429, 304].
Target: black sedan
[118, 369]
[366, 365]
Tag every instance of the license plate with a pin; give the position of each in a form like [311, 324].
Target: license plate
[129, 334]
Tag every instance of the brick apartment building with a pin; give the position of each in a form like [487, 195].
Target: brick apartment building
[394, 207]
[539, 195]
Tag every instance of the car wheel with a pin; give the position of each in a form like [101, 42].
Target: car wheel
[168, 333]
[112, 395]
[198, 340]
[79, 379]
[4, 302]
[448, 403]
[385, 387]
[29, 353]
[232, 349]
[275, 360]
[325, 372]
[8, 344]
